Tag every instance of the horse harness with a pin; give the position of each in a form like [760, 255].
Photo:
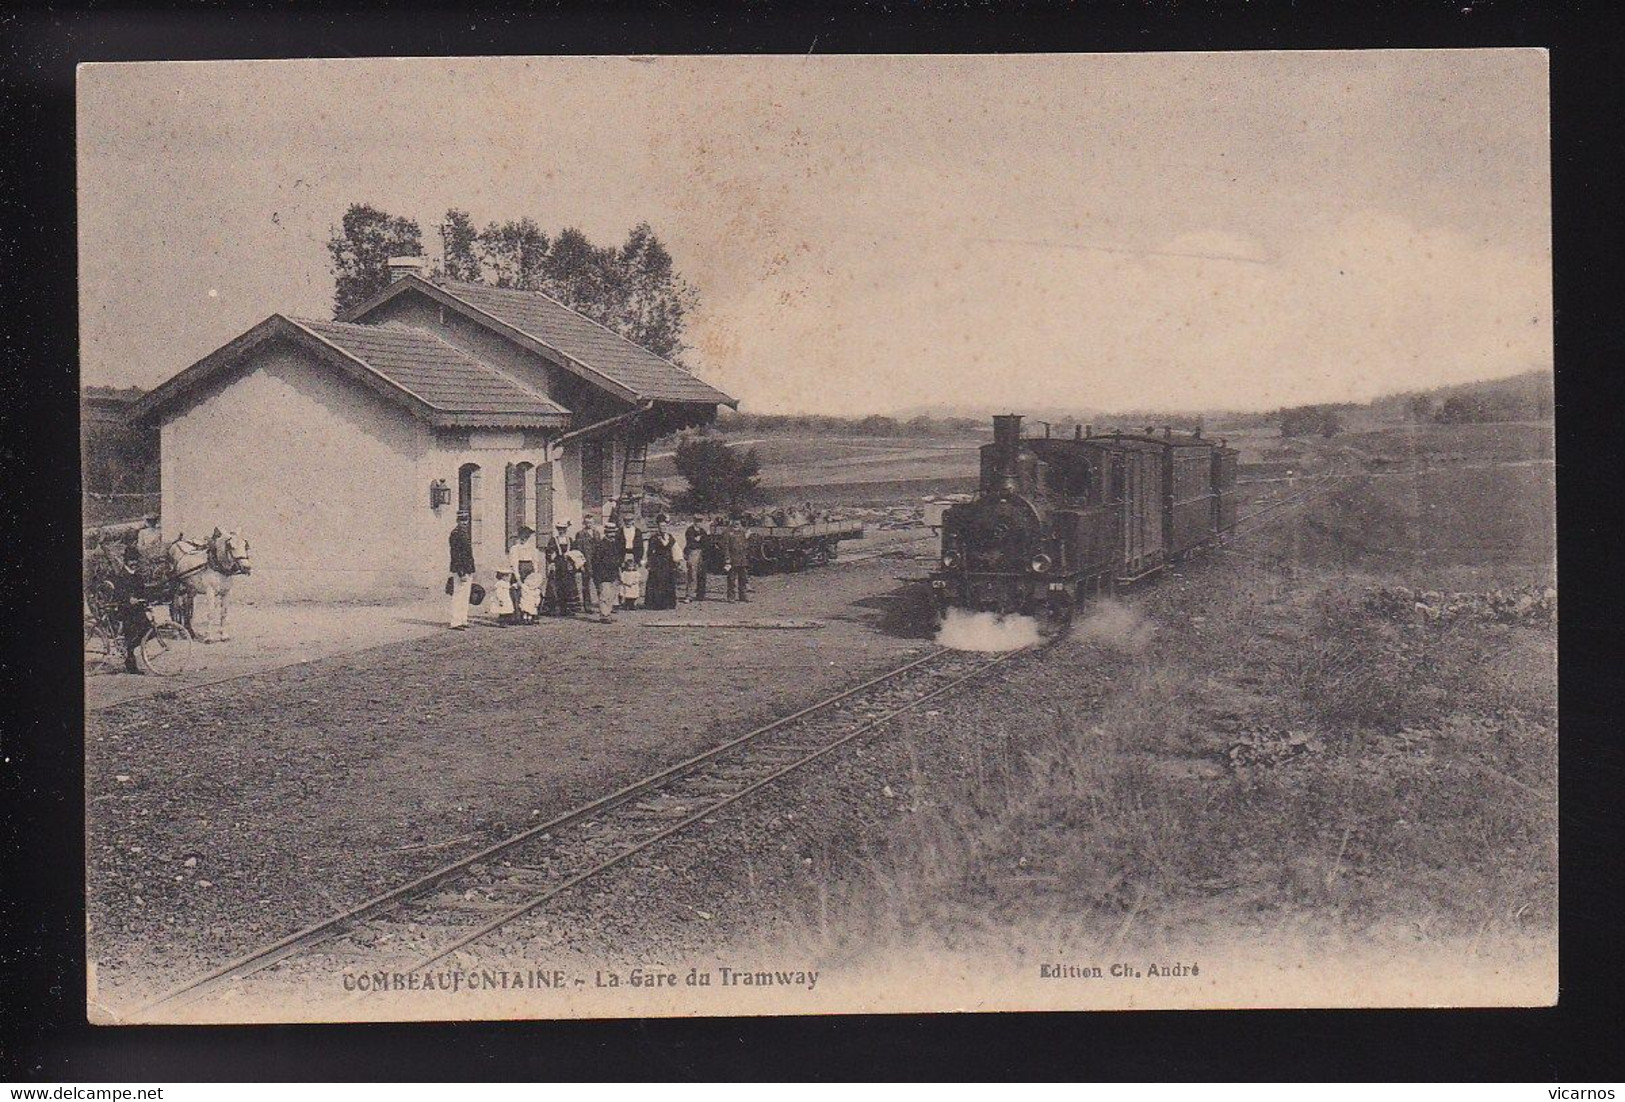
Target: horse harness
[214, 558]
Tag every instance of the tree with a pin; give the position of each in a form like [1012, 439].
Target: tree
[1420, 408]
[651, 302]
[361, 248]
[719, 477]
[513, 254]
[633, 289]
[458, 241]
[582, 275]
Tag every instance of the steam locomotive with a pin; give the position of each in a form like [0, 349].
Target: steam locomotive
[1056, 520]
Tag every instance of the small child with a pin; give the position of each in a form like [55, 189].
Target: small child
[529, 592]
[630, 577]
[502, 598]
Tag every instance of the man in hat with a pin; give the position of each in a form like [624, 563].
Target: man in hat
[626, 539]
[695, 538]
[603, 573]
[462, 576]
[149, 536]
[128, 602]
[736, 545]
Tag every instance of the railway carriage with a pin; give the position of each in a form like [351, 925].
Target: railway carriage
[1057, 519]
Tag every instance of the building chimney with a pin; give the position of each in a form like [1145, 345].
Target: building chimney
[1077, 432]
[402, 266]
[1088, 430]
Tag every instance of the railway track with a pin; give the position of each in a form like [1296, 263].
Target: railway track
[1274, 510]
[450, 908]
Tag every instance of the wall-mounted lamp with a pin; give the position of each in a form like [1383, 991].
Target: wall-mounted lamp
[439, 493]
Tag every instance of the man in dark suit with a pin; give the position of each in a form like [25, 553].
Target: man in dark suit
[624, 539]
[462, 572]
[737, 545]
[602, 572]
[694, 540]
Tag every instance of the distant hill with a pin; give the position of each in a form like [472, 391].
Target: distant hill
[1527, 396]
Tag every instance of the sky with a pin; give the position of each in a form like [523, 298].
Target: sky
[876, 234]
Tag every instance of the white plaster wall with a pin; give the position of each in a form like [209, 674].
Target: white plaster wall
[317, 472]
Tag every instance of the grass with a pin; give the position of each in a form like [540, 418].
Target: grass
[1281, 751]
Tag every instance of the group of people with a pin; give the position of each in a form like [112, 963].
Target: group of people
[599, 571]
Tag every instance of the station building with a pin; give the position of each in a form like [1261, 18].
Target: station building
[346, 450]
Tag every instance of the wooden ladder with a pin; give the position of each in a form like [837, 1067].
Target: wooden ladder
[632, 480]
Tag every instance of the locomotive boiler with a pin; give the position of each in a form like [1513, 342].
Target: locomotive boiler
[1055, 520]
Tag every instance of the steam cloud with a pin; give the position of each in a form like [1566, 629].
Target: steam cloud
[1116, 625]
[987, 631]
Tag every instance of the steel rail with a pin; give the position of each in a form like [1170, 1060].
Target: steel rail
[522, 909]
[265, 957]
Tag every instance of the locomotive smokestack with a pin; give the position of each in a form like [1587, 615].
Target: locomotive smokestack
[1006, 448]
[1007, 432]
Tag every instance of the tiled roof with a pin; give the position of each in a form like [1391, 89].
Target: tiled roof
[444, 378]
[592, 346]
[439, 383]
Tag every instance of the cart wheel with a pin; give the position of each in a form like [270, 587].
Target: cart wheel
[167, 650]
[99, 648]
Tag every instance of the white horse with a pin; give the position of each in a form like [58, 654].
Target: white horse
[208, 567]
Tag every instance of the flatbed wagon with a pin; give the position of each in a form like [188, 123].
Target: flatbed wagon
[786, 548]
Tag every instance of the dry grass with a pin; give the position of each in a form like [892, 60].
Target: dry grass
[1287, 755]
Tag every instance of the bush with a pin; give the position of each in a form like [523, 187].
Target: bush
[719, 477]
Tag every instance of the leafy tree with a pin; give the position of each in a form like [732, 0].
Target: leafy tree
[653, 301]
[1420, 408]
[513, 254]
[719, 477]
[361, 248]
[633, 289]
[458, 242]
[581, 275]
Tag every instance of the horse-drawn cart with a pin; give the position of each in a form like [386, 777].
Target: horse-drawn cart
[157, 642]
